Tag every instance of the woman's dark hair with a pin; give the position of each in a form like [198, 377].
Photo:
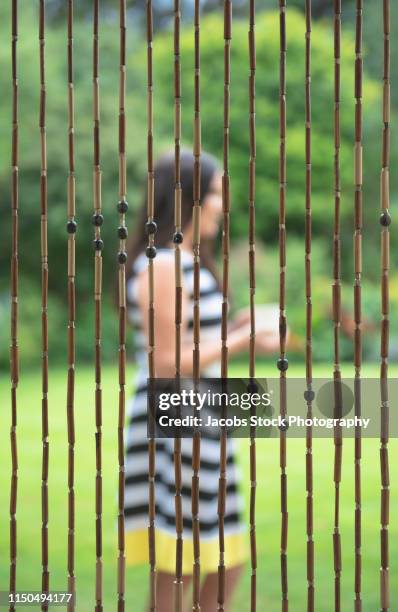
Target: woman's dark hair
[164, 205]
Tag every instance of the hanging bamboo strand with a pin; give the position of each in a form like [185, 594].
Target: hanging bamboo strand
[177, 237]
[122, 208]
[282, 362]
[44, 278]
[338, 441]
[177, 240]
[151, 254]
[14, 350]
[97, 223]
[357, 295]
[308, 293]
[71, 229]
[252, 292]
[196, 311]
[226, 183]
[385, 221]
[222, 487]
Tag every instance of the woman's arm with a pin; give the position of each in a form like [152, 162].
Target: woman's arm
[164, 302]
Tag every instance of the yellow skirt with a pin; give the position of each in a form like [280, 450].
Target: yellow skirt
[236, 551]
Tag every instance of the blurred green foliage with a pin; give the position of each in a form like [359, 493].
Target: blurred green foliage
[267, 117]
[267, 191]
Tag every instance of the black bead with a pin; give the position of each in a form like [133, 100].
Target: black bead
[178, 238]
[309, 395]
[71, 227]
[122, 232]
[122, 206]
[122, 257]
[282, 364]
[284, 426]
[385, 218]
[252, 387]
[98, 244]
[97, 219]
[151, 252]
[150, 227]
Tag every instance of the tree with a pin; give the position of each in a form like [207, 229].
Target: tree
[267, 117]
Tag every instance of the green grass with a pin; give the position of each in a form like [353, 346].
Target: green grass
[268, 505]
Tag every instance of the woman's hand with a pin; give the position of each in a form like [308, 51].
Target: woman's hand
[266, 342]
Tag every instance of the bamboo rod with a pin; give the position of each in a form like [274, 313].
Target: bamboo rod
[151, 253]
[385, 221]
[122, 208]
[97, 223]
[308, 294]
[282, 361]
[44, 276]
[196, 442]
[177, 240]
[252, 292]
[14, 289]
[336, 304]
[357, 297]
[71, 228]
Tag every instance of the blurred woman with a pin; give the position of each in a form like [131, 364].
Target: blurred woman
[136, 498]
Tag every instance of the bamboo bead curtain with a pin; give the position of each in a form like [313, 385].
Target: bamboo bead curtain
[177, 236]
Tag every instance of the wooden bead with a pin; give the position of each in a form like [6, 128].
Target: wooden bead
[385, 219]
[71, 226]
[97, 219]
[122, 206]
[151, 252]
[150, 228]
[282, 364]
[122, 232]
[178, 238]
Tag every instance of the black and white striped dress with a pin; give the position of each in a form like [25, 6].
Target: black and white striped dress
[136, 447]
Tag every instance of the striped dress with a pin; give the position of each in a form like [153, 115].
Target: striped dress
[136, 450]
